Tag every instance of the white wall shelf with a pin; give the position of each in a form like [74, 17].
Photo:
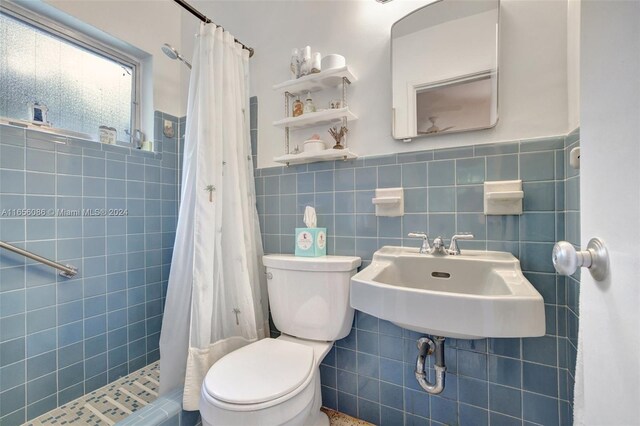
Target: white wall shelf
[320, 118]
[313, 157]
[316, 82]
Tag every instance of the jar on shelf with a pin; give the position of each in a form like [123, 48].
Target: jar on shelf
[309, 105]
[298, 108]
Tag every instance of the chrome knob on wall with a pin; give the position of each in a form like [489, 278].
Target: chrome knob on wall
[566, 259]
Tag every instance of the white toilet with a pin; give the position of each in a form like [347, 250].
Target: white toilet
[277, 381]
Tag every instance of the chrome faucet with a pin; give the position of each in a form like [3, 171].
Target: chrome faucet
[438, 246]
[426, 247]
[454, 250]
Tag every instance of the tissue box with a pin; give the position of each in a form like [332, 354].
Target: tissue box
[311, 242]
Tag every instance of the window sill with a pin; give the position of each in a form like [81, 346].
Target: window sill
[47, 138]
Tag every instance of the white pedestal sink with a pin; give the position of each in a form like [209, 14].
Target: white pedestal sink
[474, 295]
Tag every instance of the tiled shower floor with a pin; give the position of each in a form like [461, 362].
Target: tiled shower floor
[109, 404]
[116, 401]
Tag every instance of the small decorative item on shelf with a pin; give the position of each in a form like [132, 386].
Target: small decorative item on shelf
[314, 144]
[308, 105]
[333, 61]
[316, 63]
[298, 108]
[296, 150]
[335, 104]
[305, 61]
[338, 135]
[295, 64]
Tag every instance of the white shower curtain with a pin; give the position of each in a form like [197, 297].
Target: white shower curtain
[216, 286]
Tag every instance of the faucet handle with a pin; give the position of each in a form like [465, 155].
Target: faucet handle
[418, 235]
[426, 246]
[453, 247]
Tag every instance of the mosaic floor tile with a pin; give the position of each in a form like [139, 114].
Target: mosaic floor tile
[109, 404]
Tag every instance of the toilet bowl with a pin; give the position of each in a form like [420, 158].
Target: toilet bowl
[277, 381]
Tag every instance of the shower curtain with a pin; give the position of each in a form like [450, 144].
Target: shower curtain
[216, 298]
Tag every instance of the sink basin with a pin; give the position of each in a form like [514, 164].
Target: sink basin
[475, 295]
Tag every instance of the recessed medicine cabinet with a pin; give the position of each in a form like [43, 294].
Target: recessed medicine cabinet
[444, 68]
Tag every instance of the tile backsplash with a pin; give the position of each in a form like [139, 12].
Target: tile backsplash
[61, 338]
[369, 374]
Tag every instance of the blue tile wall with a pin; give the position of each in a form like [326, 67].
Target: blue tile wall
[61, 338]
[369, 374]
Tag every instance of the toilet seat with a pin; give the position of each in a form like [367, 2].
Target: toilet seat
[260, 374]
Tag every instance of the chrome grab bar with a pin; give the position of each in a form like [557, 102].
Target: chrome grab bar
[68, 271]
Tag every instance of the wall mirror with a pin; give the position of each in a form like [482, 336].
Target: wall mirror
[444, 68]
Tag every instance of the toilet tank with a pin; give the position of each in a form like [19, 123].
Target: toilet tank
[309, 296]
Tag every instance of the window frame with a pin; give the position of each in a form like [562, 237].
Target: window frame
[83, 41]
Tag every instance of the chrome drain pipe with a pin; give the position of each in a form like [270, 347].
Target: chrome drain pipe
[427, 346]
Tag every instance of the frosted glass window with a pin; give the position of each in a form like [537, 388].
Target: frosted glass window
[82, 89]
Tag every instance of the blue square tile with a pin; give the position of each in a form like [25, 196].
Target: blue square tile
[414, 175]
[538, 227]
[505, 347]
[363, 201]
[442, 199]
[470, 199]
[344, 179]
[390, 417]
[537, 166]
[348, 404]
[473, 223]
[415, 200]
[505, 371]
[391, 347]
[391, 371]
[502, 167]
[416, 403]
[540, 409]
[444, 410]
[470, 170]
[345, 202]
[368, 389]
[367, 342]
[540, 379]
[324, 181]
[366, 322]
[368, 411]
[505, 400]
[305, 182]
[368, 365]
[473, 416]
[472, 364]
[41, 342]
[474, 392]
[441, 173]
[389, 176]
[366, 225]
[329, 398]
[346, 359]
[366, 178]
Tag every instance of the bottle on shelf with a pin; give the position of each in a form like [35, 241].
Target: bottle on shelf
[308, 105]
[298, 107]
[316, 62]
[305, 61]
[295, 64]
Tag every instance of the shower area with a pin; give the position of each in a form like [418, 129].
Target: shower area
[87, 234]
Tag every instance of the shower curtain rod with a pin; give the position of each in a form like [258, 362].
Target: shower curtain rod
[195, 12]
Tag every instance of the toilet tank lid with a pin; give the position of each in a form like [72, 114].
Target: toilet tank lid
[321, 264]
